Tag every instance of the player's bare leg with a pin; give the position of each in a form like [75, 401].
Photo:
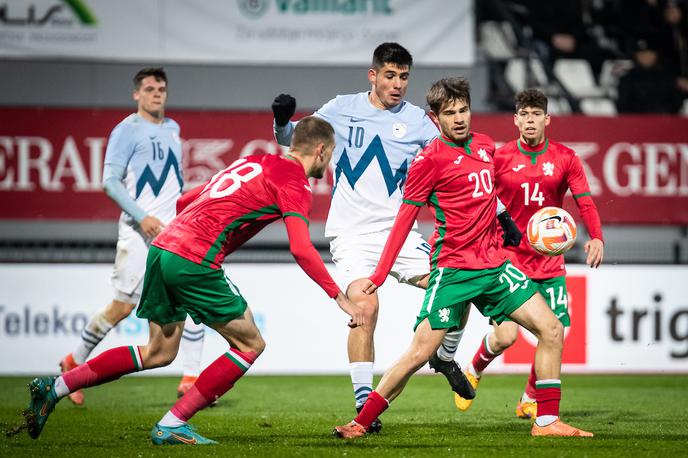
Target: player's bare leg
[425, 343]
[246, 344]
[538, 318]
[94, 331]
[361, 346]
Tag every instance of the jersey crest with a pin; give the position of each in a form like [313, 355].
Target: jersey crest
[393, 181]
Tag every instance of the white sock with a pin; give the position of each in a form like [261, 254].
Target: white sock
[191, 347]
[170, 420]
[362, 380]
[61, 388]
[472, 370]
[526, 398]
[544, 420]
[91, 335]
[450, 344]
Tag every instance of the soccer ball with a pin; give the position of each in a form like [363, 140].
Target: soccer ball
[551, 231]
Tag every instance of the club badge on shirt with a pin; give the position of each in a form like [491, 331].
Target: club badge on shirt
[399, 129]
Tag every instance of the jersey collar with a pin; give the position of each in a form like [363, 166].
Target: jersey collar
[464, 145]
[532, 152]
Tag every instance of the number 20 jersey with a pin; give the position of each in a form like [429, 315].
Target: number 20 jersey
[529, 179]
[457, 183]
[235, 205]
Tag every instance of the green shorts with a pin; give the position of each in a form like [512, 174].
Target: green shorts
[174, 287]
[496, 292]
[556, 296]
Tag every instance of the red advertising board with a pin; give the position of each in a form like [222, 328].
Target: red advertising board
[51, 159]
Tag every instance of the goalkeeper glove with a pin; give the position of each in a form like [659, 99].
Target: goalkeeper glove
[283, 107]
[512, 236]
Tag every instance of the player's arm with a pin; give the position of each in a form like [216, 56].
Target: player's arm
[578, 184]
[408, 212]
[309, 260]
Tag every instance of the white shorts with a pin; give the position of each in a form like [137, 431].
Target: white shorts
[130, 265]
[356, 256]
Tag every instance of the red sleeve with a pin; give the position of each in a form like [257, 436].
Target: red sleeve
[188, 197]
[590, 216]
[306, 255]
[402, 226]
[578, 184]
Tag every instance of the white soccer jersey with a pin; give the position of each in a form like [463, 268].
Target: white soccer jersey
[373, 151]
[152, 156]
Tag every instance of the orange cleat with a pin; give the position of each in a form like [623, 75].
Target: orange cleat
[526, 410]
[67, 364]
[558, 429]
[464, 404]
[350, 431]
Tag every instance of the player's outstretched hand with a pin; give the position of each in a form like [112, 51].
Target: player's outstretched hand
[151, 226]
[512, 236]
[595, 251]
[351, 309]
[283, 107]
[369, 287]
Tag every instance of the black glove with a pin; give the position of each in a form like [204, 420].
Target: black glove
[283, 107]
[512, 236]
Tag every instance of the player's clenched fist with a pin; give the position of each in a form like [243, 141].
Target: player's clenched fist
[283, 107]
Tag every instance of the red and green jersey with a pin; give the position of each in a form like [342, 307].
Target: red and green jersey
[457, 182]
[529, 178]
[235, 205]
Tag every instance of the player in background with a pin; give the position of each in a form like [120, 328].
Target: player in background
[454, 176]
[143, 175]
[533, 172]
[377, 134]
[184, 275]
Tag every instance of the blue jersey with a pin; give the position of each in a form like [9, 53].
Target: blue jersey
[151, 154]
[373, 151]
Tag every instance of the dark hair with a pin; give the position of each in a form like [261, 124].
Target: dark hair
[531, 98]
[309, 132]
[391, 53]
[446, 91]
[157, 72]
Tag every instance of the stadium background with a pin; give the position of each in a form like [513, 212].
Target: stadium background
[66, 73]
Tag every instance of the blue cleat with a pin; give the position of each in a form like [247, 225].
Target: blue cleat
[185, 435]
[41, 405]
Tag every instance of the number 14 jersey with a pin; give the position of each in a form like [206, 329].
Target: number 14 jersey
[530, 178]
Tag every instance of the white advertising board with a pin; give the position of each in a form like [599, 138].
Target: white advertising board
[625, 319]
[316, 32]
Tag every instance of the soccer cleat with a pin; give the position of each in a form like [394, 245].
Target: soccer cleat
[67, 364]
[350, 431]
[558, 429]
[375, 426]
[458, 381]
[179, 435]
[526, 410]
[461, 403]
[42, 403]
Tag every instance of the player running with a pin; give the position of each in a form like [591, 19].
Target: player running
[533, 172]
[378, 134]
[454, 176]
[143, 175]
[184, 275]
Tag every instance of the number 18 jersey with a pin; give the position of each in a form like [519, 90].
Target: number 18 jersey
[235, 205]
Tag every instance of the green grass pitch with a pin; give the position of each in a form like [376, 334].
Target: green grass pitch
[294, 416]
